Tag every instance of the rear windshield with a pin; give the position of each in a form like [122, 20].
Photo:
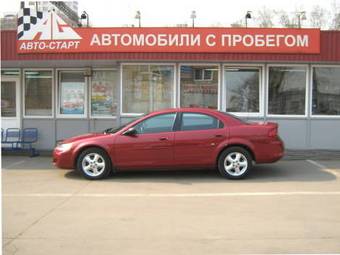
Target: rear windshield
[235, 117]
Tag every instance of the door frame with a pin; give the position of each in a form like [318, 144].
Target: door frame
[17, 99]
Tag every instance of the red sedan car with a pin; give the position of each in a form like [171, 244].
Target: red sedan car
[184, 138]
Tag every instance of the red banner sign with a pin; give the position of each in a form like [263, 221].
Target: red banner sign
[52, 35]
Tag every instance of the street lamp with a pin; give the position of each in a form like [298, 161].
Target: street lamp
[193, 17]
[138, 16]
[85, 15]
[301, 16]
[248, 16]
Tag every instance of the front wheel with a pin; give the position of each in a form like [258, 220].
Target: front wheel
[94, 164]
[235, 163]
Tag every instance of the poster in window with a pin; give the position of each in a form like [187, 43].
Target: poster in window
[72, 98]
[102, 98]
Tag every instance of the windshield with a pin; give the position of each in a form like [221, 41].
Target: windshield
[113, 130]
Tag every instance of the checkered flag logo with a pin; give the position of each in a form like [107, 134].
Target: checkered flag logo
[27, 18]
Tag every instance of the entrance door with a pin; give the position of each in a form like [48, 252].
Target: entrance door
[10, 103]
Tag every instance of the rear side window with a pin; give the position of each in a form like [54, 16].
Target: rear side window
[156, 124]
[198, 121]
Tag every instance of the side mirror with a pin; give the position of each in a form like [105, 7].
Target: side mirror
[130, 132]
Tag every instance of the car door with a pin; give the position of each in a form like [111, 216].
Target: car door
[151, 147]
[197, 139]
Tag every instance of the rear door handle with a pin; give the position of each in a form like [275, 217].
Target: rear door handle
[219, 135]
[163, 139]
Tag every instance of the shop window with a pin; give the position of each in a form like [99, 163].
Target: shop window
[8, 99]
[326, 91]
[203, 74]
[147, 88]
[243, 89]
[72, 93]
[287, 90]
[38, 93]
[104, 93]
[199, 86]
[10, 72]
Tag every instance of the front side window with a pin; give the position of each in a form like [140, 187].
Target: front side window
[197, 121]
[326, 91]
[243, 89]
[38, 93]
[72, 93]
[157, 124]
[287, 90]
[104, 100]
[8, 99]
[147, 88]
[199, 86]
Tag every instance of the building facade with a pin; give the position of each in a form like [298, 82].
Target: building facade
[9, 21]
[66, 94]
[67, 10]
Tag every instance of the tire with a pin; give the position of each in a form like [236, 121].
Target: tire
[235, 163]
[94, 164]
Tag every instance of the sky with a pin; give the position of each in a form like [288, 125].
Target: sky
[115, 13]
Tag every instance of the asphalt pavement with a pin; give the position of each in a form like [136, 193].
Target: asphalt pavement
[290, 207]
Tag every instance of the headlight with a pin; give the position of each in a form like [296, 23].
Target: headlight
[64, 147]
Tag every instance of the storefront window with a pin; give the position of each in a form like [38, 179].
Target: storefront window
[326, 91]
[10, 72]
[72, 93]
[8, 99]
[38, 93]
[243, 89]
[287, 90]
[147, 88]
[104, 93]
[199, 86]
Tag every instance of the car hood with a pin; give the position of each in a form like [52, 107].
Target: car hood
[82, 137]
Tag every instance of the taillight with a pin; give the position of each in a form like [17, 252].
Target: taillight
[272, 133]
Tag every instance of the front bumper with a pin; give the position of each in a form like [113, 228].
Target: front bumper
[63, 159]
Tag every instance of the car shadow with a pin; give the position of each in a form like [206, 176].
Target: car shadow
[284, 171]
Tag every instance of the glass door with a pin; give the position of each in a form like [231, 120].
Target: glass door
[10, 103]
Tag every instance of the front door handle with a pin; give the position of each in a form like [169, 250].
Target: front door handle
[219, 135]
[163, 139]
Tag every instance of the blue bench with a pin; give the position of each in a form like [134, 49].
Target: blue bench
[20, 140]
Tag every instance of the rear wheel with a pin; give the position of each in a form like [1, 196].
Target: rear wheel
[235, 163]
[94, 164]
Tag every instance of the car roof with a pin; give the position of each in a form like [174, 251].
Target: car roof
[187, 109]
[213, 112]
[221, 115]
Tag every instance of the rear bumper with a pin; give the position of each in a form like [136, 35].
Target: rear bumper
[278, 151]
[272, 151]
[63, 159]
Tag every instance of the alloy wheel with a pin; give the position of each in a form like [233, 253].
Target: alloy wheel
[235, 164]
[93, 164]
